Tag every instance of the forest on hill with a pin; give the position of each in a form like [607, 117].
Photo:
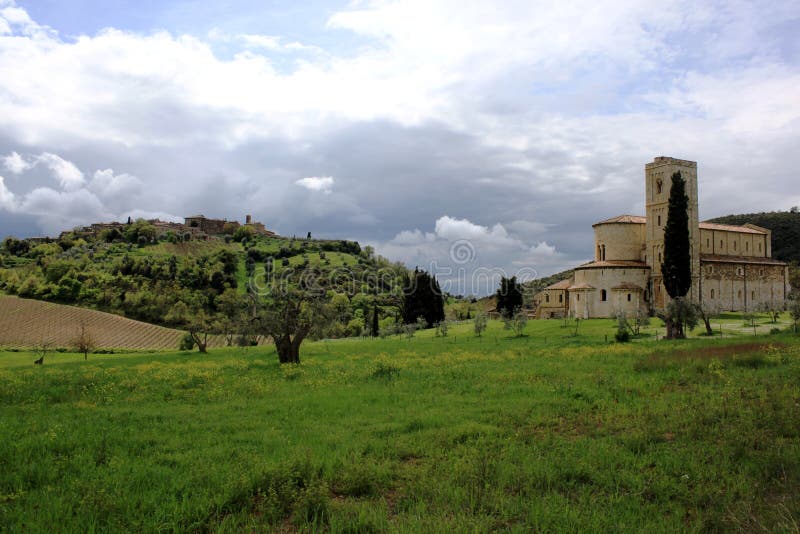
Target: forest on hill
[168, 281]
[785, 227]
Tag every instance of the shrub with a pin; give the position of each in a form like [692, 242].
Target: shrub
[187, 343]
[622, 335]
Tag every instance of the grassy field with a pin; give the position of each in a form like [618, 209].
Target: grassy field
[545, 432]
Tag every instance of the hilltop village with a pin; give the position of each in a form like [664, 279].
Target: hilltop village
[198, 227]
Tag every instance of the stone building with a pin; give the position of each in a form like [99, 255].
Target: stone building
[732, 266]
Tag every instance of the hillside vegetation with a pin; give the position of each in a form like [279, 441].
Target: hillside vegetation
[170, 282]
[453, 434]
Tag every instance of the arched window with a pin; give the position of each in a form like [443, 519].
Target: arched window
[547, 298]
[752, 295]
[740, 294]
[659, 186]
[578, 297]
[629, 297]
[712, 293]
[746, 246]
[560, 299]
[659, 220]
[603, 295]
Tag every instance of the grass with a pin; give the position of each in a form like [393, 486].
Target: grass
[427, 435]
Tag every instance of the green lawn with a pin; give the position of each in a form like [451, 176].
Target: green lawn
[544, 432]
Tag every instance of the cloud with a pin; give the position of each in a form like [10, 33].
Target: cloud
[16, 164]
[529, 121]
[469, 258]
[113, 187]
[316, 183]
[7, 200]
[69, 177]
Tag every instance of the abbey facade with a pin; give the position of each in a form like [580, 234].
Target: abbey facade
[732, 266]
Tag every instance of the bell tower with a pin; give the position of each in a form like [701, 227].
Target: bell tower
[658, 181]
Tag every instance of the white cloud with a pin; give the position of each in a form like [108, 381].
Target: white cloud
[110, 186]
[7, 200]
[317, 183]
[69, 177]
[462, 254]
[63, 210]
[16, 163]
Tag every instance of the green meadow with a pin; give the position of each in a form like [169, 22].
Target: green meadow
[552, 431]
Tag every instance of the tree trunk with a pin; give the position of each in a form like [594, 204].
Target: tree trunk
[670, 328]
[288, 352]
[707, 322]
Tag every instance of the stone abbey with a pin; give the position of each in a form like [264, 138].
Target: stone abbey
[732, 266]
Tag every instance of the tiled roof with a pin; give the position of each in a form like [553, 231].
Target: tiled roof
[610, 264]
[730, 228]
[563, 284]
[627, 286]
[624, 219]
[582, 285]
[740, 259]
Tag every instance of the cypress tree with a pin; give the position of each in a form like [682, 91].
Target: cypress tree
[375, 324]
[423, 298]
[677, 266]
[509, 296]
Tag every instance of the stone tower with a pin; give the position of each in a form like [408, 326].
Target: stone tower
[658, 181]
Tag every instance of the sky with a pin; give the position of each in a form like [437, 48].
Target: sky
[457, 136]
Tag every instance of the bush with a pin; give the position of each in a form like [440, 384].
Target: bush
[187, 343]
[622, 335]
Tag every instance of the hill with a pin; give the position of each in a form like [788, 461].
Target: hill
[29, 323]
[785, 227]
[168, 281]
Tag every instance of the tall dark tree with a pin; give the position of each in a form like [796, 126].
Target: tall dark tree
[677, 266]
[509, 296]
[422, 297]
[375, 322]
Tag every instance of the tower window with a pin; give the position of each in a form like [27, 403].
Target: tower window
[734, 245]
[603, 295]
[659, 220]
[721, 243]
[740, 294]
[659, 187]
[752, 295]
[712, 293]
[629, 297]
[547, 298]
[561, 298]
[578, 297]
[747, 247]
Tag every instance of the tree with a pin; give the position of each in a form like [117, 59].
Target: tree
[705, 311]
[682, 314]
[676, 269]
[794, 311]
[422, 297]
[480, 322]
[517, 323]
[83, 342]
[243, 233]
[200, 327]
[375, 330]
[773, 308]
[509, 297]
[288, 316]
